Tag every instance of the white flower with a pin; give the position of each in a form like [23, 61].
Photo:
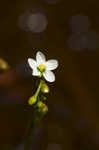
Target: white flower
[43, 67]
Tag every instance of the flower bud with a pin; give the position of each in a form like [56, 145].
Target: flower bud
[32, 100]
[40, 104]
[44, 88]
[44, 109]
[43, 98]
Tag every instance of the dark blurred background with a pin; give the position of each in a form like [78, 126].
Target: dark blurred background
[64, 30]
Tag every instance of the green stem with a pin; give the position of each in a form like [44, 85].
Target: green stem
[38, 89]
[32, 100]
[28, 140]
[36, 118]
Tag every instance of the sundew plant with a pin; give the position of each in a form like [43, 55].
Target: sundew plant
[43, 70]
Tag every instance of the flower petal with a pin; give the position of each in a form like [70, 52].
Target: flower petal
[35, 72]
[40, 58]
[32, 63]
[49, 76]
[51, 64]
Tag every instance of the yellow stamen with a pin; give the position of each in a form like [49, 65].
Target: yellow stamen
[41, 68]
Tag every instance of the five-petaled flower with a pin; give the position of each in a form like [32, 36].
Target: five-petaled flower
[41, 67]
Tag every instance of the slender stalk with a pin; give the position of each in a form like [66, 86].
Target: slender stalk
[32, 100]
[36, 118]
[29, 136]
[38, 89]
[38, 114]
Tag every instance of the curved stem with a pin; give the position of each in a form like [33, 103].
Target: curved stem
[38, 89]
[37, 116]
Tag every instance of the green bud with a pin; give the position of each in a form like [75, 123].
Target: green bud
[40, 104]
[32, 100]
[44, 109]
[42, 97]
[44, 88]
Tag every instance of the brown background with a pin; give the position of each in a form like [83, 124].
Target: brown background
[76, 89]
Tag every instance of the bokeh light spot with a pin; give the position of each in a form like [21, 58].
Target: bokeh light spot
[37, 22]
[33, 22]
[88, 40]
[79, 23]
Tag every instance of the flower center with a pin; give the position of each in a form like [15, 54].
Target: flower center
[41, 68]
